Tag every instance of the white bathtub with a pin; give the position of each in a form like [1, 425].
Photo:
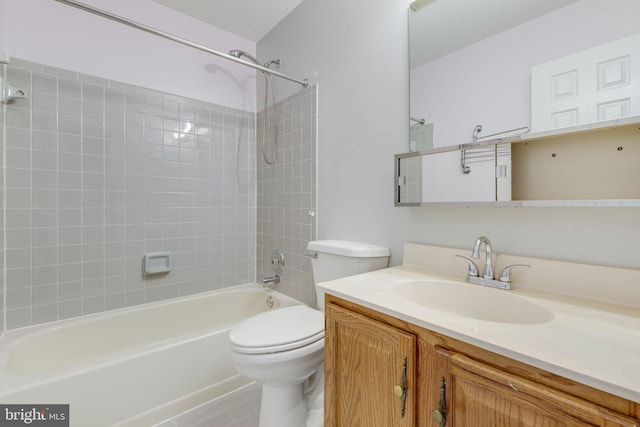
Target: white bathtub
[135, 366]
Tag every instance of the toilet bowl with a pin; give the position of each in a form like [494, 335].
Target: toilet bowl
[280, 349]
[283, 348]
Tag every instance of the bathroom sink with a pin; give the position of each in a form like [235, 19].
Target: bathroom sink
[474, 301]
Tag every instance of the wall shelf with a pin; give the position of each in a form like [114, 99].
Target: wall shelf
[591, 165]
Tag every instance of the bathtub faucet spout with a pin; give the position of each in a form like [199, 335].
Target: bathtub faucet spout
[271, 280]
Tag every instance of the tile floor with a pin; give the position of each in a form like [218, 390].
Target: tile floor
[241, 409]
[237, 409]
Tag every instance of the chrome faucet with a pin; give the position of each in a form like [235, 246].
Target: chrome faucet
[487, 272]
[271, 280]
[277, 262]
[487, 279]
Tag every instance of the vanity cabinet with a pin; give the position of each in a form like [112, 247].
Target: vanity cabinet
[370, 372]
[481, 395]
[467, 386]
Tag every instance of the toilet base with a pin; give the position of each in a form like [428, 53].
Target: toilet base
[283, 405]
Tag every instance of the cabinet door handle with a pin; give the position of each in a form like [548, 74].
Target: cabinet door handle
[440, 415]
[401, 390]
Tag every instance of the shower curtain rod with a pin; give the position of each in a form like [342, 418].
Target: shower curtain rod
[104, 14]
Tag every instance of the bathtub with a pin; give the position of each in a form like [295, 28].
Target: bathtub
[132, 367]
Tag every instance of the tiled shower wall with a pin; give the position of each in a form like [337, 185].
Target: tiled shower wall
[287, 192]
[99, 173]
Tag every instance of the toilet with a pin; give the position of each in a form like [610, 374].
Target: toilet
[283, 348]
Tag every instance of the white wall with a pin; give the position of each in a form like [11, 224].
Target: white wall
[359, 51]
[2, 23]
[53, 33]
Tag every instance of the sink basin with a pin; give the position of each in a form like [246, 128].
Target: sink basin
[474, 301]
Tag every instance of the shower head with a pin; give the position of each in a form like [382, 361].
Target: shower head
[240, 53]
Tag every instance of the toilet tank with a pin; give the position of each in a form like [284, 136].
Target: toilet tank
[339, 258]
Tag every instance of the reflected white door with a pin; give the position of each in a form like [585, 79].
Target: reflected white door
[601, 83]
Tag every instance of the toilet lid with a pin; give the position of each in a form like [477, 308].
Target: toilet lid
[278, 330]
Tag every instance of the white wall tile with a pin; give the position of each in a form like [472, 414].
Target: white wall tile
[69, 254]
[106, 171]
[70, 273]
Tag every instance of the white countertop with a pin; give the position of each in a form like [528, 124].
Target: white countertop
[596, 344]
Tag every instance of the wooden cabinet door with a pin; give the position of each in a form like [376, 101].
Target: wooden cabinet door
[365, 361]
[479, 395]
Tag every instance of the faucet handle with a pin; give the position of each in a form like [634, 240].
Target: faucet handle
[505, 274]
[473, 270]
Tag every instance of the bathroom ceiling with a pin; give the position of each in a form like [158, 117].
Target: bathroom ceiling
[474, 20]
[250, 19]
[445, 26]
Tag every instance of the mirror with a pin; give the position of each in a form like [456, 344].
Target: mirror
[485, 71]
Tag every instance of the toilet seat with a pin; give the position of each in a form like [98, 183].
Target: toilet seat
[278, 330]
